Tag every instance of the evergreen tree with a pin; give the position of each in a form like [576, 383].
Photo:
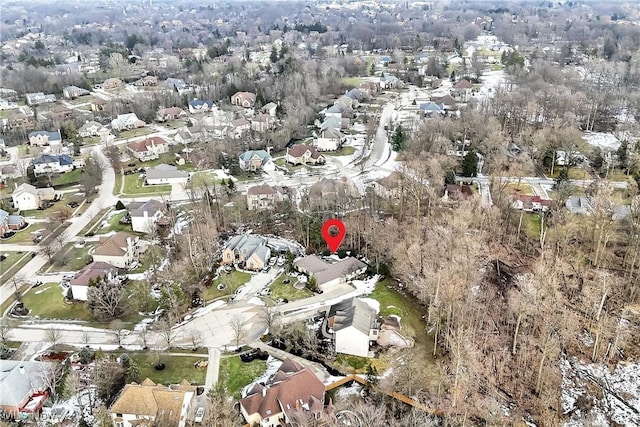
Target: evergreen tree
[398, 139]
[470, 164]
[450, 177]
[274, 55]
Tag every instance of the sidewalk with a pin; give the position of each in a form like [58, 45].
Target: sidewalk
[213, 368]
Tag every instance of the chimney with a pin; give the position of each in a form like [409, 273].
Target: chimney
[21, 370]
[264, 391]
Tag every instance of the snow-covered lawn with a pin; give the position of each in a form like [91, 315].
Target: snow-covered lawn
[617, 397]
[604, 140]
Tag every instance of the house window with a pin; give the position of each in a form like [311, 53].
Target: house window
[120, 424]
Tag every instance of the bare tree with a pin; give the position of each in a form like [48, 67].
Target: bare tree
[53, 335]
[51, 375]
[4, 331]
[167, 333]
[116, 326]
[195, 339]
[144, 335]
[238, 327]
[106, 299]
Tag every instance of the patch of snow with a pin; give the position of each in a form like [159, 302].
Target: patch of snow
[38, 292]
[256, 301]
[354, 389]
[273, 365]
[604, 140]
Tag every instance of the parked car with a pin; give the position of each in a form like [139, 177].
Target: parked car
[266, 269]
[199, 415]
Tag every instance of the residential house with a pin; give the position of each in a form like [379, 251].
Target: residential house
[127, 122]
[166, 174]
[19, 120]
[92, 128]
[262, 123]
[250, 252]
[7, 105]
[243, 99]
[145, 216]
[370, 88]
[389, 187]
[148, 149]
[43, 137]
[462, 90]
[10, 222]
[120, 250]
[148, 403]
[39, 98]
[332, 122]
[27, 197]
[389, 82]
[303, 154]
[23, 385]
[146, 81]
[431, 109]
[240, 127]
[90, 273]
[254, 160]
[200, 106]
[530, 203]
[447, 101]
[293, 393]
[177, 85]
[353, 325]
[171, 113]
[264, 196]
[578, 205]
[48, 163]
[329, 140]
[72, 92]
[112, 83]
[8, 171]
[333, 111]
[270, 108]
[328, 274]
[97, 104]
[184, 136]
[331, 194]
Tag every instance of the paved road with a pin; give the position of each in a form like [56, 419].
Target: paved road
[378, 147]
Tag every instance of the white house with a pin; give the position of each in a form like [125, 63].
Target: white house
[27, 197]
[39, 98]
[166, 174]
[71, 92]
[148, 149]
[329, 140]
[48, 163]
[127, 122]
[149, 402]
[94, 271]
[119, 250]
[145, 216]
[354, 326]
[92, 128]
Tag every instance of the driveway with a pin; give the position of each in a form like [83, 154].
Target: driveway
[257, 282]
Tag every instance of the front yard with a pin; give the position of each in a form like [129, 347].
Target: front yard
[177, 368]
[26, 235]
[231, 281]
[346, 150]
[113, 224]
[287, 290]
[236, 374]
[47, 302]
[133, 184]
[71, 258]
[135, 132]
[69, 178]
[13, 262]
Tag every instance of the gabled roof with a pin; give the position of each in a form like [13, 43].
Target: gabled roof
[300, 149]
[19, 378]
[432, 106]
[248, 155]
[151, 400]
[463, 84]
[62, 159]
[324, 271]
[115, 245]
[293, 390]
[53, 136]
[138, 209]
[171, 111]
[142, 146]
[28, 188]
[92, 271]
[165, 171]
[200, 102]
[90, 124]
[261, 189]
[353, 312]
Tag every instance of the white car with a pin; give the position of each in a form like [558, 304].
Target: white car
[199, 415]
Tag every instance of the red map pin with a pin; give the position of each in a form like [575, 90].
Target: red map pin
[333, 239]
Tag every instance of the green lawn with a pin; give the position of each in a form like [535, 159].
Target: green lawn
[135, 132]
[352, 81]
[522, 188]
[12, 264]
[114, 224]
[282, 290]
[97, 220]
[233, 281]
[201, 179]
[531, 223]
[135, 185]
[70, 258]
[72, 177]
[25, 236]
[346, 150]
[46, 213]
[91, 140]
[177, 368]
[236, 374]
[47, 302]
[28, 151]
[574, 173]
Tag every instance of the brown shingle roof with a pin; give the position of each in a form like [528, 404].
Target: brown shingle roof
[299, 150]
[113, 245]
[144, 145]
[148, 399]
[261, 189]
[91, 271]
[463, 84]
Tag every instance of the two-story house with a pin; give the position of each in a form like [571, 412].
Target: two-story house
[72, 92]
[200, 106]
[303, 154]
[39, 98]
[243, 99]
[48, 163]
[27, 197]
[148, 149]
[92, 128]
[170, 113]
[126, 122]
[264, 196]
[120, 250]
[42, 137]
[353, 325]
[146, 216]
[254, 160]
[95, 271]
[262, 123]
[250, 252]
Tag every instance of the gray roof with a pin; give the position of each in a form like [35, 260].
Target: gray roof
[311, 263]
[324, 271]
[137, 209]
[165, 171]
[246, 245]
[17, 383]
[353, 312]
